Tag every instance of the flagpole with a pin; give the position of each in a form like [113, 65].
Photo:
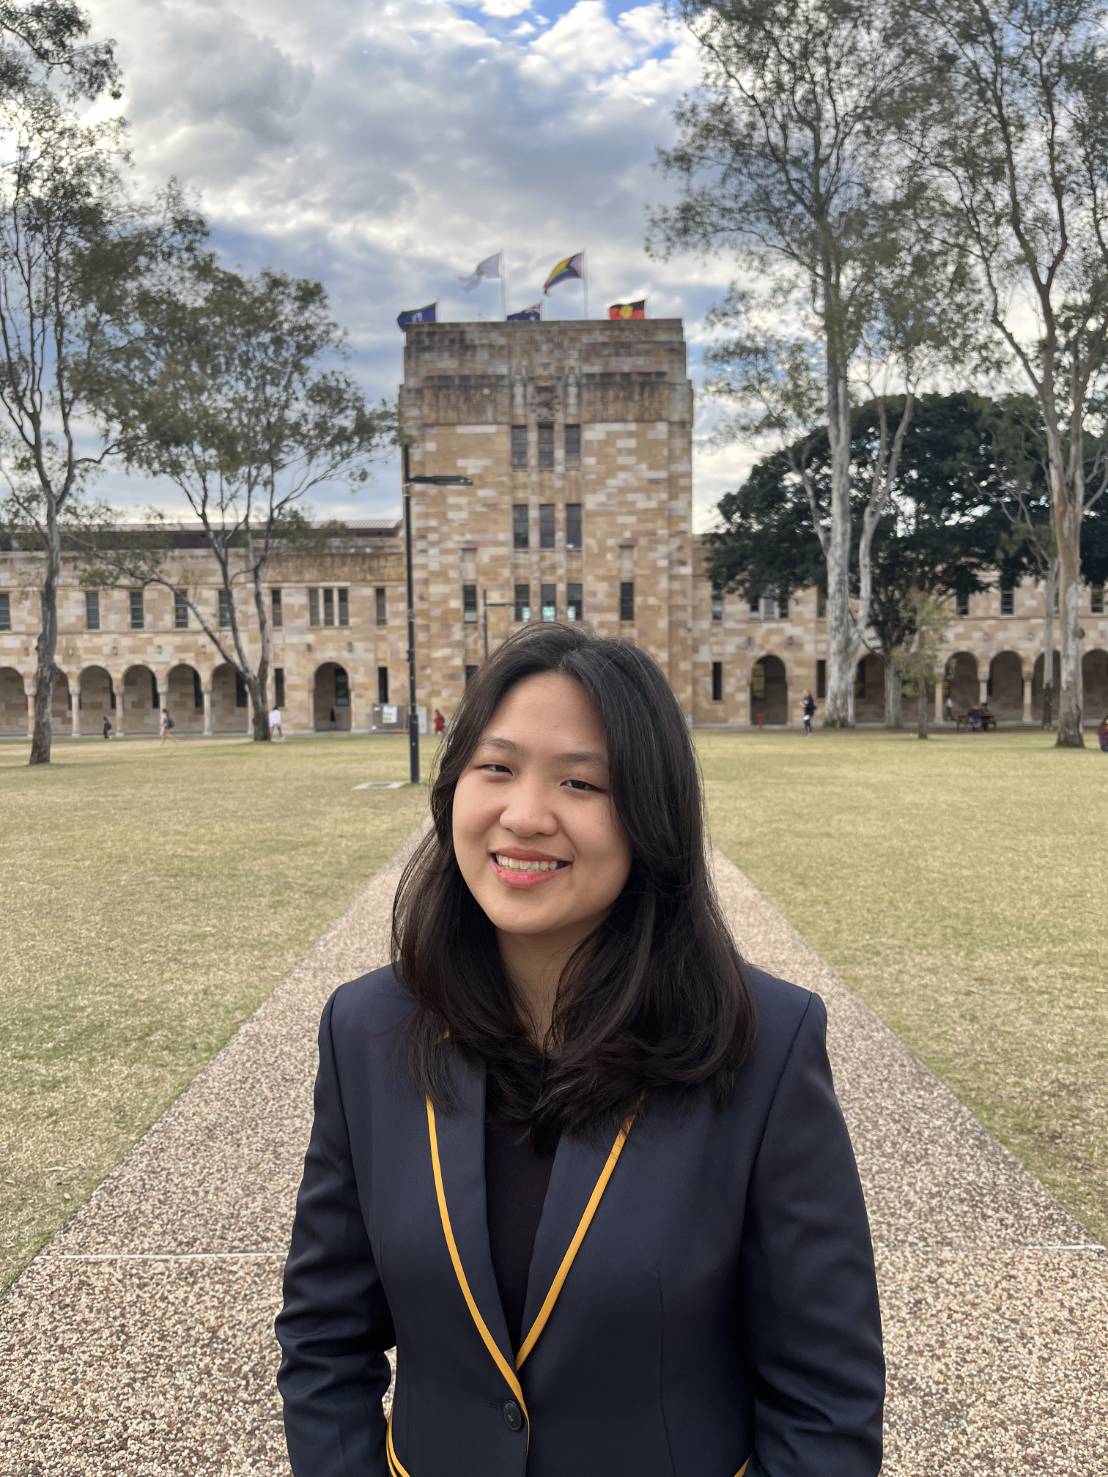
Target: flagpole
[503, 285]
[585, 279]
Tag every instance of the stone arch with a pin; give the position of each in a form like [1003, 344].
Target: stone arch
[869, 689]
[769, 690]
[96, 699]
[1094, 678]
[331, 698]
[141, 701]
[61, 706]
[960, 681]
[230, 701]
[13, 703]
[1006, 687]
[184, 698]
[1037, 686]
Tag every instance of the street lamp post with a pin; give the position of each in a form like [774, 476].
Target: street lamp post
[408, 483]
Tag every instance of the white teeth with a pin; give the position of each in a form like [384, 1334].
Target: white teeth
[513, 864]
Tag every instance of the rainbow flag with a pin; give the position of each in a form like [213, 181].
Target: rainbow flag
[568, 268]
[628, 310]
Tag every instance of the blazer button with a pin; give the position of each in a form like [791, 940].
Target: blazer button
[513, 1416]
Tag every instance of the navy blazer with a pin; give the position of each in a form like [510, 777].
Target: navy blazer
[701, 1299]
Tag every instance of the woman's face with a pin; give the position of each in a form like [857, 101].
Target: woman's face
[535, 792]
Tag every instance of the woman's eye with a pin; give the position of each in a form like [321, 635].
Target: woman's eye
[502, 767]
[584, 785]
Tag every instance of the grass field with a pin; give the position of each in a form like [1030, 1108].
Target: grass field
[960, 886]
[151, 897]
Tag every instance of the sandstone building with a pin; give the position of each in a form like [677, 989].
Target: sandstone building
[577, 439]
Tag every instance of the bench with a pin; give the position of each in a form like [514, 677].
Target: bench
[963, 721]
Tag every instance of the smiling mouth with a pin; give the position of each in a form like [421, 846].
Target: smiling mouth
[515, 864]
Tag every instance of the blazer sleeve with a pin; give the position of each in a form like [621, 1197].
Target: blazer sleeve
[811, 1324]
[335, 1324]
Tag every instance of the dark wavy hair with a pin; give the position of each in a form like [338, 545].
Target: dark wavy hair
[654, 1003]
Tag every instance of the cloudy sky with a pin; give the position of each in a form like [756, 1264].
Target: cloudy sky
[385, 148]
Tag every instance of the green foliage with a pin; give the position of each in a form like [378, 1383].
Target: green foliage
[51, 36]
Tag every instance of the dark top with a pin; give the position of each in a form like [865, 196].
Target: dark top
[516, 1178]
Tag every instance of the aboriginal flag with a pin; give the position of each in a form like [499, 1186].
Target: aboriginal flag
[628, 310]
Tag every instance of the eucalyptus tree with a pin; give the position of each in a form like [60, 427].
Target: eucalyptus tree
[1016, 141]
[237, 394]
[78, 254]
[51, 37]
[788, 158]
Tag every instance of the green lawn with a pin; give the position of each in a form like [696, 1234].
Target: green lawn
[960, 886]
[151, 898]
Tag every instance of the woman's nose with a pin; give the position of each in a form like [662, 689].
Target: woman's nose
[527, 811]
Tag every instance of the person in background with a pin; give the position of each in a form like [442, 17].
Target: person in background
[275, 728]
[948, 709]
[809, 710]
[107, 727]
[439, 722]
[1102, 734]
[167, 726]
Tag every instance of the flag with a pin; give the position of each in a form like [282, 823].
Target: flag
[533, 314]
[628, 310]
[489, 268]
[417, 315]
[568, 268]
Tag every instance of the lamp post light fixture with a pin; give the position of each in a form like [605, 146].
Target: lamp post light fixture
[409, 482]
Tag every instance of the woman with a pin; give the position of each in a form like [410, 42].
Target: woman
[1102, 734]
[579, 1164]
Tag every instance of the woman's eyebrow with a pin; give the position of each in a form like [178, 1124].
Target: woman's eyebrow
[571, 756]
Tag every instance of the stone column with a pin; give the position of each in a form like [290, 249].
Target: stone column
[1028, 676]
[207, 711]
[75, 699]
[938, 715]
[30, 693]
[118, 721]
[983, 684]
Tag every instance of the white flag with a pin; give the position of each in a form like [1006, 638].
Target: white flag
[489, 268]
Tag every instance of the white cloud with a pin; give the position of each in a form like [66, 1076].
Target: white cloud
[504, 9]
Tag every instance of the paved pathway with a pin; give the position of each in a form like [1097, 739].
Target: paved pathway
[139, 1344]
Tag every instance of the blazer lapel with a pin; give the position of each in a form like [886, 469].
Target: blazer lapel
[459, 1137]
[578, 1179]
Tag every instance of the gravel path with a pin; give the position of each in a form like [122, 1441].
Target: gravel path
[139, 1343]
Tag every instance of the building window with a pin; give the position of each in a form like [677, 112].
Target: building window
[382, 684]
[821, 678]
[523, 603]
[344, 605]
[313, 607]
[5, 611]
[546, 445]
[138, 614]
[769, 606]
[92, 610]
[574, 603]
[549, 602]
[627, 600]
[1007, 600]
[717, 603]
[155, 696]
[197, 691]
[328, 607]
[717, 682]
[224, 608]
[961, 603]
[240, 691]
[573, 525]
[519, 446]
[546, 525]
[573, 446]
[782, 605]
[278, 611]
[471, 672]
[1096, 600]
[520, 534]
[469, 602]
[381, 606]
[180, 611]
[342, 688]
[821, 605]
[279, 687]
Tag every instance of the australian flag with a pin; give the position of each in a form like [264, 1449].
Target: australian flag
[533, 314]
[417, 315]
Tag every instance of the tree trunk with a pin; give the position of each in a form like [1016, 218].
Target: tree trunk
[841, 640]
[1067, 527]
[259, 692]
[46, 647]
[894, 691]
[1048, 626]
[923, 707]
[259, 711]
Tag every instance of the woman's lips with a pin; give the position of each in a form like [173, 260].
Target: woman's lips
[525, 879]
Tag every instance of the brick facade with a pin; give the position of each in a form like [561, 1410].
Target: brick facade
[546, 419]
